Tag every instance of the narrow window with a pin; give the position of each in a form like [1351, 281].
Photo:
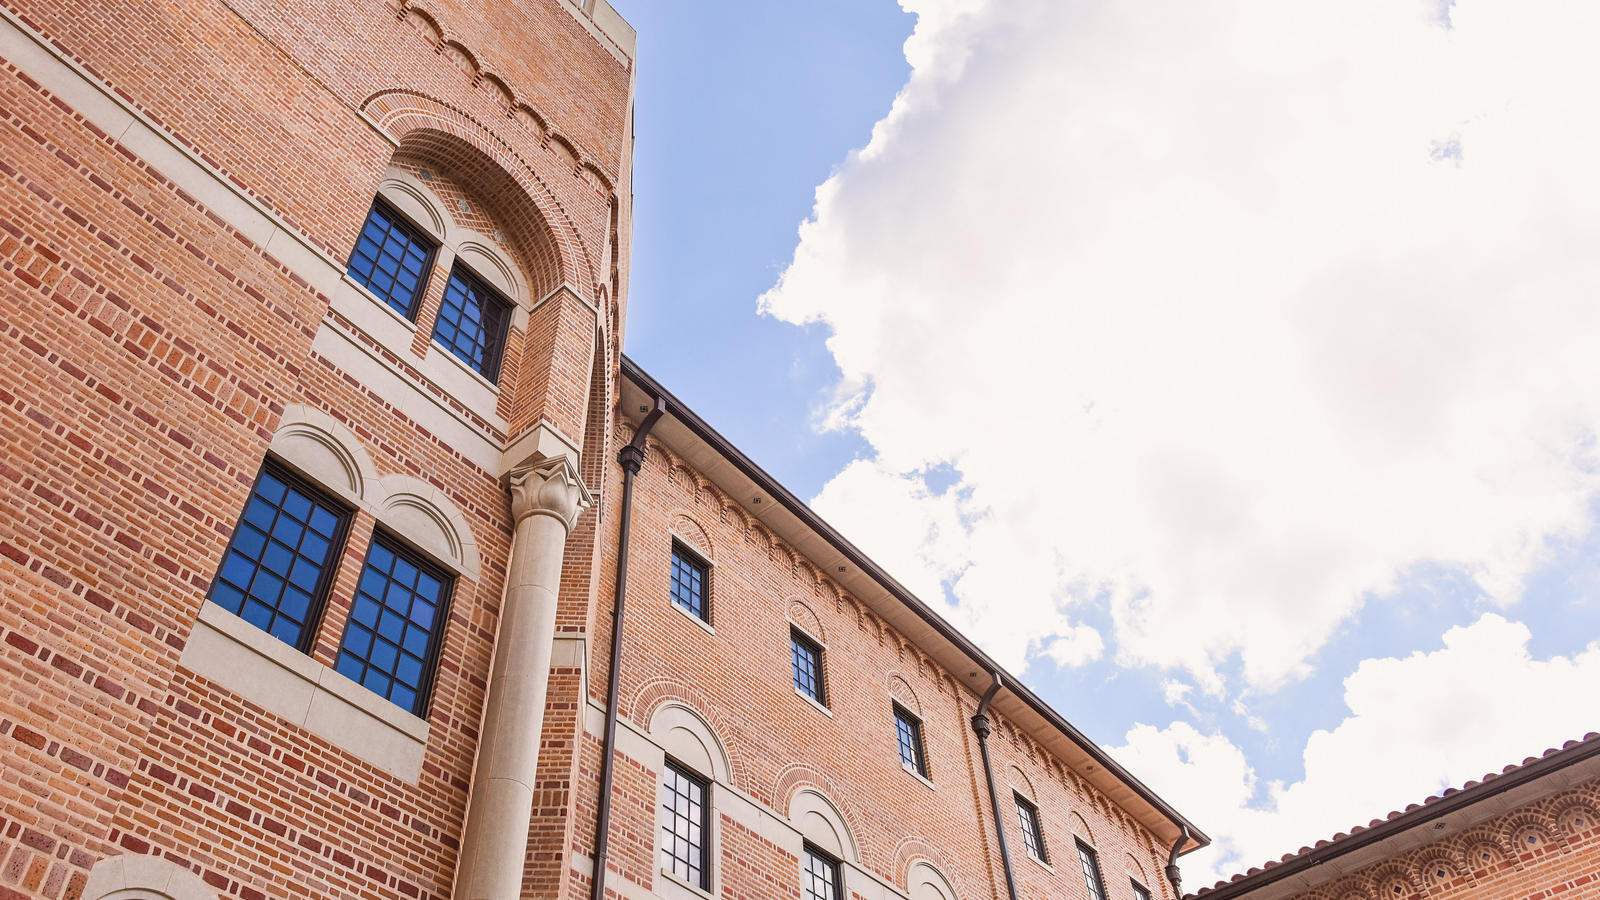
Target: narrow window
[1139, 891]
[908, 734]
[391, 643]
[688, 583]
[279, 563]
[807, 657]
[1091, 872]
[685, 822]
[472, 322]
[1032, 834]
[822, 875]
[391, 259]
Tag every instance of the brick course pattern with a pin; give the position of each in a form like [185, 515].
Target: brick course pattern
[154, 342]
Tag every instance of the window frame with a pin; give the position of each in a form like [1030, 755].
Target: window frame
[919, 740]
[810, 851]
[403, 548]
[492, 363]
[419, 235]
[1088, 859]
[1032, 828]
[799, 640]
[1140, 892]
[698, 561]
[318, 607]
[670, 765]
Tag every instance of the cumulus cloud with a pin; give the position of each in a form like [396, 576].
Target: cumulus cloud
[1228, 314]
[1415, 725]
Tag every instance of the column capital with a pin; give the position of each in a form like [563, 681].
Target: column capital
[548, 486]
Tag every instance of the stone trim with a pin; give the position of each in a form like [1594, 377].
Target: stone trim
[134, 877]
[275, 676]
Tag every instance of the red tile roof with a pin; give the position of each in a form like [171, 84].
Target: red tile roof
[1400, 820]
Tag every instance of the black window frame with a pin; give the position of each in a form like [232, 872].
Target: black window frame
[1089, 860]
[317, 607]
[1032, 829]
[918, 740]
[692, 559]
[1140, 892]
[418, 235]
[494, 349]
[810, 852]
[404, 549]
[672, 766]
[800, 642]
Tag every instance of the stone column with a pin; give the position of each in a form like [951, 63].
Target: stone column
[546, 498]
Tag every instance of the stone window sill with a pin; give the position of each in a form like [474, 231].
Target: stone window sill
[706, 626]
[811, 700]
[672, 886]
[269, 673]
[918, 776]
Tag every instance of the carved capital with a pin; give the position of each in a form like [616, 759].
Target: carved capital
[548, 486]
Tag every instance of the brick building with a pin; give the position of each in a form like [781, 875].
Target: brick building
[1529, 832]
[325, 479]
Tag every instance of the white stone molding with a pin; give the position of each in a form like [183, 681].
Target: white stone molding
[412, 198]
[543, 439]
[823, 824]
[548, 486]
[926, 882]
[242, 658]
[132, 877]
[687, 737]
[423, 515]
[332, 455]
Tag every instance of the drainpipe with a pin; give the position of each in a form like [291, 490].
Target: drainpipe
[1172, 860]
[631, 458]
[980, 726]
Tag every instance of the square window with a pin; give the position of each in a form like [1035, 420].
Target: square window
[401, 677]
[908, 735]
[688, 582]
[684, 822]
[1032, 834]
[1090, 864]
[391, 259]
[822, 880]
[806, 656]
[278, 584]
[472, 322]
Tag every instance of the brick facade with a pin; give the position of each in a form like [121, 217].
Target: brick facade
[181, 182]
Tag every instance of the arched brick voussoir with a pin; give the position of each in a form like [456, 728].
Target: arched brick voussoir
[428, 128]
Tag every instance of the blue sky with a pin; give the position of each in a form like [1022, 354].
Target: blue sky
[1163, 347]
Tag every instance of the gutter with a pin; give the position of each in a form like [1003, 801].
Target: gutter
[631, 458]
[811, 520]
[980, 727]
[1438, 809]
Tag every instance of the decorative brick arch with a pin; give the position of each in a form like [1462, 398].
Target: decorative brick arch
[914, 851]
[796, 777]
[653, 695]
[429, 129]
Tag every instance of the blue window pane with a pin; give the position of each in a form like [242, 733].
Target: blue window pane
[409, 671]
[250, 541]
[687, 584]
[388, 603]
[365, 611]
[403, 697]
[272, 583]
[391, 624]
[472, 323]
[390, 259]
[349, 666]
[324, 522]
[383, 655]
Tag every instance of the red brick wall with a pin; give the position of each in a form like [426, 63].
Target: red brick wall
[149, 352]
[1541, 851]
[739, 680]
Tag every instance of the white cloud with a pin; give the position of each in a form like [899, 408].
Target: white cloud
[1079, 645]
[1229, 313]
[1415, 726]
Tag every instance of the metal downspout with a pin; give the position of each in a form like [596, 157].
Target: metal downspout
[631, 458]
[1173, 874]
[980, 727]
